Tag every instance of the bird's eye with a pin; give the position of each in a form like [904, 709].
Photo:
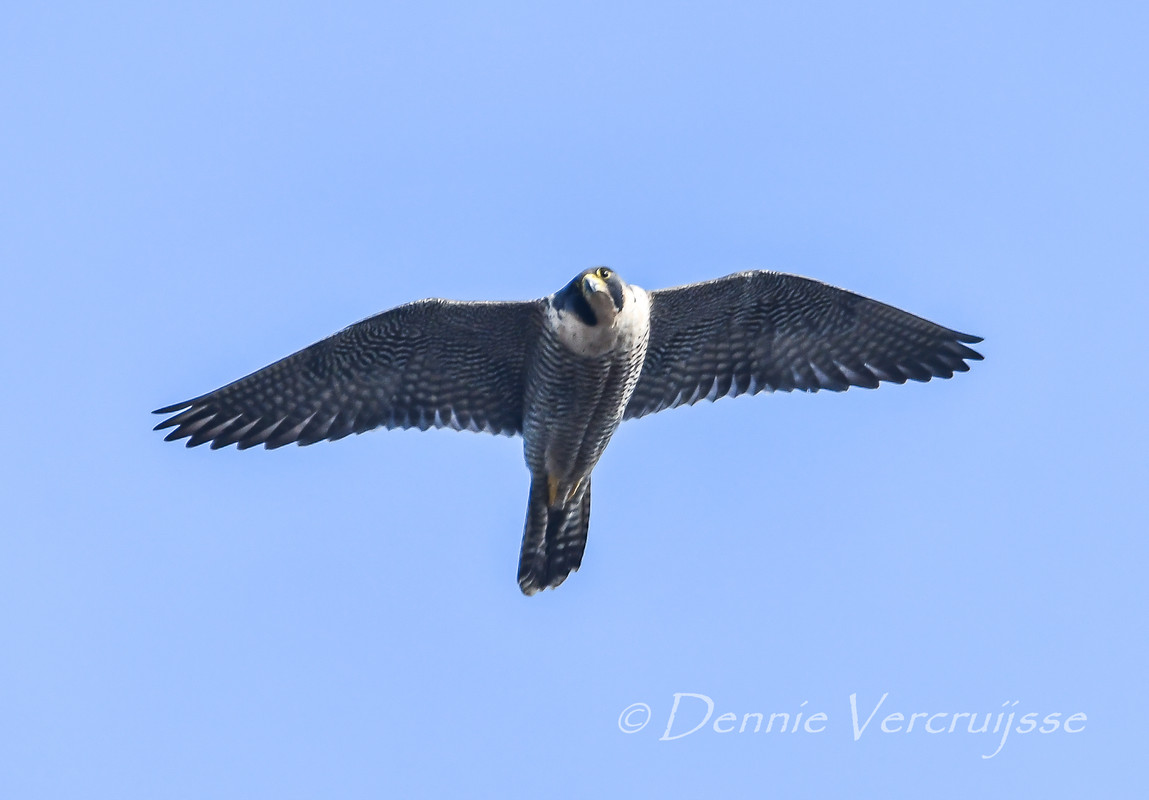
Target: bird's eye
[604, 273]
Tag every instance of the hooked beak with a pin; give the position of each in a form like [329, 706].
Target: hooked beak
[592, 284]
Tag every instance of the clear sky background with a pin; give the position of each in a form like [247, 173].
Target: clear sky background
[189, 193]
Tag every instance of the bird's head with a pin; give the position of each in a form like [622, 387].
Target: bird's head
[595, 295]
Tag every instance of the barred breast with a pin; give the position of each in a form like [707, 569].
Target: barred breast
[579, 381]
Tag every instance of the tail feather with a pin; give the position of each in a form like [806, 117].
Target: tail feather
[554, 538]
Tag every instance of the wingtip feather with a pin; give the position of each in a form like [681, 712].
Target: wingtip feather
[174, 408]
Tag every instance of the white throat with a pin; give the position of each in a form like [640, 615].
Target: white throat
[616, 331]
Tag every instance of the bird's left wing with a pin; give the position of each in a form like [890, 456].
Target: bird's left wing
[767, 331]
[432, 363]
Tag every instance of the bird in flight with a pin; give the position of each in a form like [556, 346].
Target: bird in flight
[563, 372]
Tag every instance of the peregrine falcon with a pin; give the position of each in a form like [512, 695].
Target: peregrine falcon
[565, 370]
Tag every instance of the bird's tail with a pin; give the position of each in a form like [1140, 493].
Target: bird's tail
[554, 538]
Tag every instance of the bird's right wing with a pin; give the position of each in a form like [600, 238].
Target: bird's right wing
[768, 331]
[432, 363]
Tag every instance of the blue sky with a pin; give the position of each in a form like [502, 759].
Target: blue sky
[188, 193]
